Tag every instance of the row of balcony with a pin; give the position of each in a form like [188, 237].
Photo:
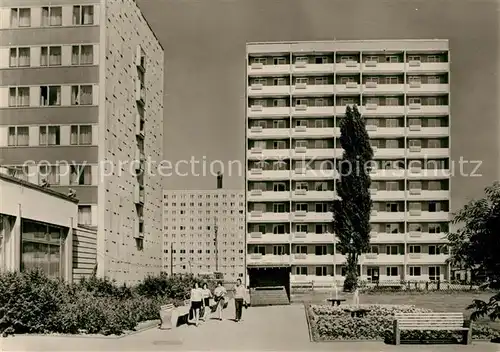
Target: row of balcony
[328, 238]
[300, 153]
[376, 216]
[304, 89]
[376, 195]
[259, 69]
[259, 111]
[303, 132]
[302, 174]
[258, 259]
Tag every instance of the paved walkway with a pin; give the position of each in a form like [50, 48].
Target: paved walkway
[262, 329]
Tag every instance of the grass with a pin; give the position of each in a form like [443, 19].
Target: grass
[436, 301]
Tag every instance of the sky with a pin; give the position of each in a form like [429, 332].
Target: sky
[204, 42]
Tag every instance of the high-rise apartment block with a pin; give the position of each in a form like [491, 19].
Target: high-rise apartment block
[81, 107]
[204, 232]
[297, 95]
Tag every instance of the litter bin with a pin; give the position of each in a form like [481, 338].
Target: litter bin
[166, 313]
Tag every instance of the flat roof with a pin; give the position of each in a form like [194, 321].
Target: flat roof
[27, 184]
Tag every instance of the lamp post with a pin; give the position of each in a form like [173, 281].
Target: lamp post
[216, 230]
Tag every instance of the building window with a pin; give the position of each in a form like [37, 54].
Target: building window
[19, 136]
[392, 271]
[83, 15]
[415, 271]
[85, 214]
[51, 16]
[301, 270]
[81, 175]
[81, 95]
[19, 57]
[48, 174]
[19, 96]
[321, 271]
[20, 17]
[415, 249]
[82, 55]
[41, 248]
[81, 135]
[50, 56]
[50, 95]
[50, 135]
[19, 172]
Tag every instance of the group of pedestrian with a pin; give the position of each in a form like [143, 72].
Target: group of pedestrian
[204, 302]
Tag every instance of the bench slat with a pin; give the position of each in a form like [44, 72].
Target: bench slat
[436, 329]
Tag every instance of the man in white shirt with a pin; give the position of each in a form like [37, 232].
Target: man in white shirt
[240, 294]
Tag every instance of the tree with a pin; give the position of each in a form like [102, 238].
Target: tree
[351, 212]
[476, 244]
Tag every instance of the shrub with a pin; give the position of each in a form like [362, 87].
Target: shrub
[333, 323]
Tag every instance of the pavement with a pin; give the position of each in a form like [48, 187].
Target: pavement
[278, 328]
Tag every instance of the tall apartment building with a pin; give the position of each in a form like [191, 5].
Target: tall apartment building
[81, 98]
[297, 94]
[204, 232]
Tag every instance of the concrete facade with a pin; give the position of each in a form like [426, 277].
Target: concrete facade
[196, 223]
[81, 97]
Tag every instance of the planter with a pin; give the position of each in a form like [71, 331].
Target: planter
[168, 316]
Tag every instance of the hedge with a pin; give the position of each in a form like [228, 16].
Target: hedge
[30, 302]
[329, 323]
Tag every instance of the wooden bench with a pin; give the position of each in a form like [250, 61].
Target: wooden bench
[336, 301]
[432, 322]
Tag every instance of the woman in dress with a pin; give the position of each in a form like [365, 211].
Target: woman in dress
[196, 302]
[206, 295]
[220, 298]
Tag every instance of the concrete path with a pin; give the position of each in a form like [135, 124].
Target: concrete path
[262, 329]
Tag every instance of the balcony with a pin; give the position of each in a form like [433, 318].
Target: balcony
[388, 153]
[268, 175]
[268, 260]
[313, 153]
[312, 89]
[383, 67]
[309, 279]
[383, 237]
[257, 195]
[259, 90]
[376, 88]
[312, 259]
[306, 68]
[387, 174]
[259, 216]
[419, 194]
[139, 126]
[257, 132]
[311, 216]
[347, 67]
[423, 88]
[380, 259]
[348, 88]
[303, 174]
[387, 110]
[387, 216]
[303, 132]
[427, 174]
[428, 153]
[258, 69]
[140, 92]
[425, 258]
[417, 131]
[264, 111]
[384, 132]
[311, 196]
[308, 237]
[383, 195]
[268, 154]
[427, 216]
[428, 110]
[138, 194]
[427, 67]
[258, 237]
[425, 237]
[305, 110]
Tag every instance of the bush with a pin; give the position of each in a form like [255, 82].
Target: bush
[333, 323]
[30, 302]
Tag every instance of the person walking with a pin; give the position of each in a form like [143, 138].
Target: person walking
[220, 293]
[240, 293]
[206, 295]
[196, 302]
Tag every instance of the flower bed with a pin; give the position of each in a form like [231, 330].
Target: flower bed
[329, 323]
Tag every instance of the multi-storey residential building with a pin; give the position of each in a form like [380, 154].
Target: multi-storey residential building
[204, 232]
[296, 97]
[81, 99]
